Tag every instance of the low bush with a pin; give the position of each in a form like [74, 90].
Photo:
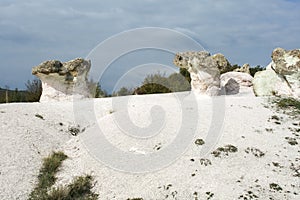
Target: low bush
[79, 189]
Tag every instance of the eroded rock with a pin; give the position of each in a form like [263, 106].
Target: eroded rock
[244, 79]
[63, 81]
[222, 62]
[203, 69]
[269, 83]
[245, 69]
[282, 75]
[231, 87]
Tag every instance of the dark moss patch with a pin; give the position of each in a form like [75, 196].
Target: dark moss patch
[291, 141]
[205, 162]
[225, 150]
[275, 187]
[256, 152]
[199, 142]
[74, 130]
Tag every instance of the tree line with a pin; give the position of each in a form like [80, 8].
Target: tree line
[152, 84]
[31, 94]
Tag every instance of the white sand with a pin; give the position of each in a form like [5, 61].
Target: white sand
[26, 139]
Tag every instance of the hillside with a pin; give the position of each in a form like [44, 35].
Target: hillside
[236, 147]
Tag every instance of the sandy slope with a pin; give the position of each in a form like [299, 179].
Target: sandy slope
[246, 124]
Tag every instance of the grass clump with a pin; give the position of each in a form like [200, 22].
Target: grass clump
[79, 189]
[288, 103]
[46, 177]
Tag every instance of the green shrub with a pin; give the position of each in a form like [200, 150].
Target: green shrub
[152, 88]
[253, 70]
[46, 177]
[79, 189]
[288, 103]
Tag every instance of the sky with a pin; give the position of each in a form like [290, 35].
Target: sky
[245, 31]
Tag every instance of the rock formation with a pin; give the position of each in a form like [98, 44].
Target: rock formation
[222, 62]
[203, 70]
[244, 79]
[63, 81]
[245, 69]
[282, 75]
[231, 87]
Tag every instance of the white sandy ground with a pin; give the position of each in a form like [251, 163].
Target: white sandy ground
[25, 139]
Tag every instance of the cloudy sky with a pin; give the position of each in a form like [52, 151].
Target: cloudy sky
[245, 31]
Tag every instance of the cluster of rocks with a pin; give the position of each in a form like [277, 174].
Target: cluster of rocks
[63, 81]
[282, 75]
[68, 80]
[205, 73]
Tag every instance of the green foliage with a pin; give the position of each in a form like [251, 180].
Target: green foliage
[123, 91]
[178, 83]
[253, 70]
[46, 177]
[230, 68]
[152, 88]
[185, 73]
[159, 83]
[79, 189]
[10, 96]
[96, 90]
[288, 103]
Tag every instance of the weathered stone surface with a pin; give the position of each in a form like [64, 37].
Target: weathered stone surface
[286, 62]
[231, 87]
[282, 75]
[203, 69]
[244, 79]
[222, 62]
[245, 69]
[63, 81]
[268, 83]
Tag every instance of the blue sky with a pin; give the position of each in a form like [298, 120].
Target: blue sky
[245, 31]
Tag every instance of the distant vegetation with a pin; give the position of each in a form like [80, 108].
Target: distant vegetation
[153, 83]
[258, 68]
[253, 70]
[160, 83]
[31, 94]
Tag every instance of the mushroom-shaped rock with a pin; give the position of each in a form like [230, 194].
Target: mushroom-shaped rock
[63, 81]
[203, 70]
